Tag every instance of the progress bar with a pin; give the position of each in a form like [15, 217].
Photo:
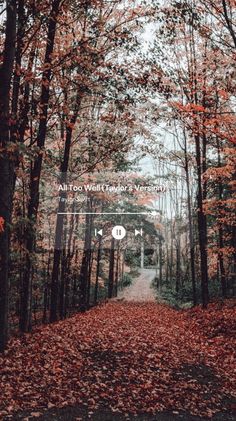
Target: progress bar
[105, 213]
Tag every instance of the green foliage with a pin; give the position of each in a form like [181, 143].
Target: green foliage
[184, 298]
[132, 259]
[127, 280]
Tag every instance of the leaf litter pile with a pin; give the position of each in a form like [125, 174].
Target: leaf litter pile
[131, 358]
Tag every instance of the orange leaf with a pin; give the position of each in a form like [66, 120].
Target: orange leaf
[2, 221]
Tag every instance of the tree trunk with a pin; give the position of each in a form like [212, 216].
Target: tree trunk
[111, 269]
[160, 265]
[17, 74]
[190, 224]
[202, 228]
[117, 271]
[25, 313]
[142, 255]
[99, 253]
[84, 272]
[6, 166]
[177, 281]
[89, 278]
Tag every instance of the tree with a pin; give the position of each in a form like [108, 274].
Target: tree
[6, 164]
[25, 312]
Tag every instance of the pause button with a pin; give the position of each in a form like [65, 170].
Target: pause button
[118, 232]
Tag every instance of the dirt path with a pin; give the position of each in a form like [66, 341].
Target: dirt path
[141, 290]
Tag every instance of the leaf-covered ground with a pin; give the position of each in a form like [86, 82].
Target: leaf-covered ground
[127, 358]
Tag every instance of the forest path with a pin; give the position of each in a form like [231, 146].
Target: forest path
[121, 360]
[141, 289]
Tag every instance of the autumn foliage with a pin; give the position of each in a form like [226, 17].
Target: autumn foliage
[123, 92]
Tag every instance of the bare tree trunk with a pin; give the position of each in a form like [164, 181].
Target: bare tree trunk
[75, 287]
[84, 272]
[69, 257]
[17, 74]
[177, 281]
[190, 223]
[202, 228]
[142, 255]
[62, 276]
[111, 270]
[160, 265]
[89, 277]
[6, 166]
[117, 271]
[99, 253]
